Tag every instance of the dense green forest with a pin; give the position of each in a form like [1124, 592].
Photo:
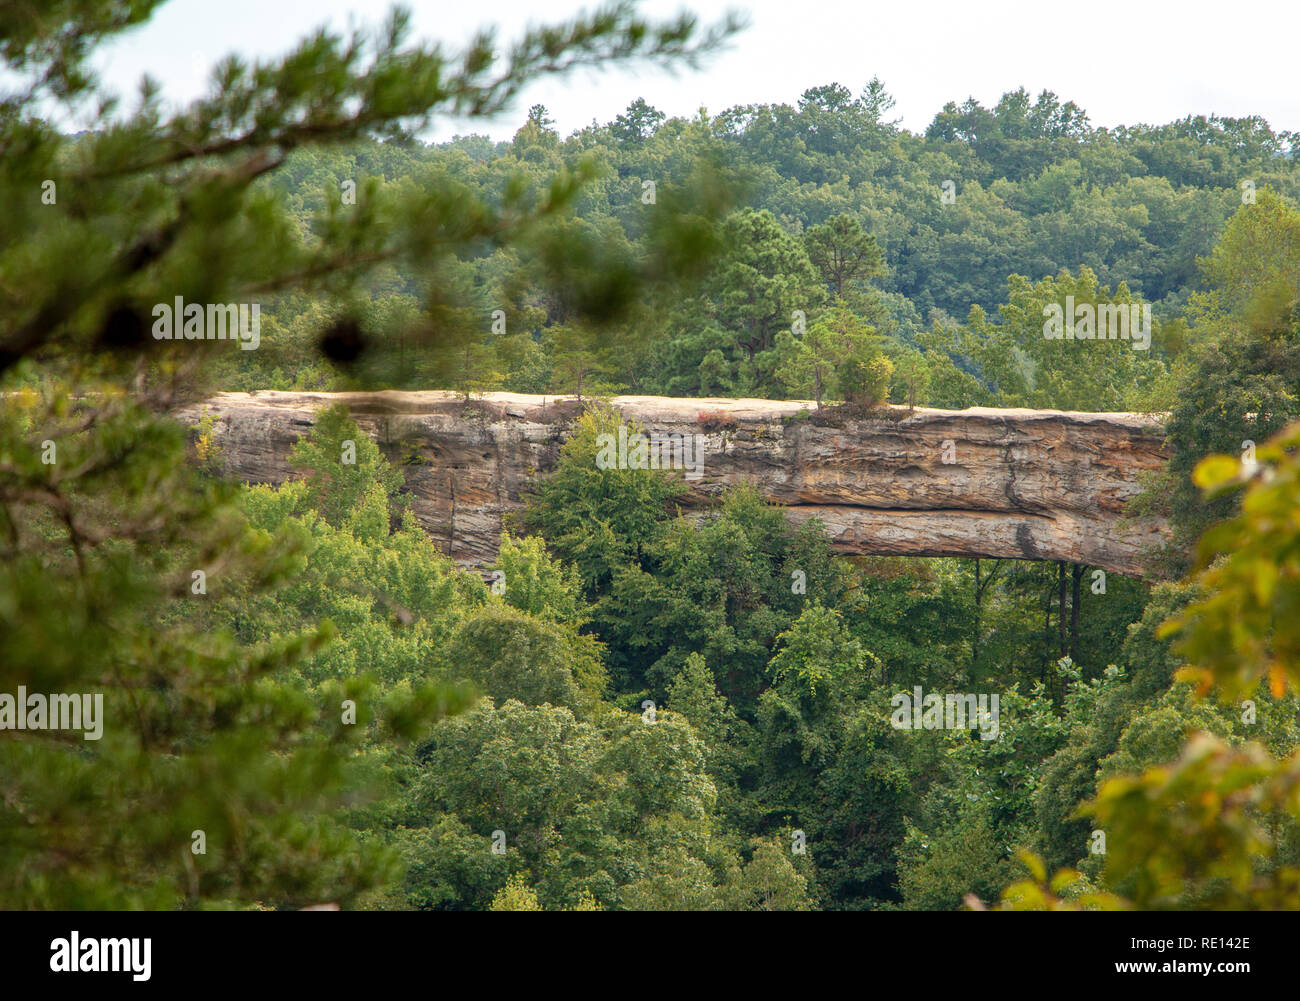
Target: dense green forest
[306, 701]
[936, 241]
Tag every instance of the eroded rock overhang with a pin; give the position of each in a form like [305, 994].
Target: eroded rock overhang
[1021, 484]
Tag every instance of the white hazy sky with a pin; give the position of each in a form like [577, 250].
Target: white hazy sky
[1122, 61]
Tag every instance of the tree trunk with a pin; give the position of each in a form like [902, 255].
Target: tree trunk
[1047, 638]
[1078, 570]
[1060, 608]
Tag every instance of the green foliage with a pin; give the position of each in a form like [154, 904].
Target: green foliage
[694, 695]
[1241, 382]
[593, 518]
[817, 650]
[605, 809]
[516, 895]
[536, 583]
[843, 253]
[912, 374]
[340, 463]
[1193, 833]
[972, 821]
[1216, 827]
[267, 655]
[838, 342]
[199, 732]
[765, 276]
[1244, 631]
[511, 654]
[864, 379]
[1024, 367]
[393, 597]
[769, 881]
[723, 589]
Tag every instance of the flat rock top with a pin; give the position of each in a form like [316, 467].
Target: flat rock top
[667, 408]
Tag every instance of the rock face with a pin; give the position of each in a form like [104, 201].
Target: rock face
[1023, 484]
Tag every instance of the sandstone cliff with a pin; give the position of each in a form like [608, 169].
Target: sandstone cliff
[1036, 484]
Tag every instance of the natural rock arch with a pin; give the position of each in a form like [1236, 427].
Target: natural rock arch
[1021, 484]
